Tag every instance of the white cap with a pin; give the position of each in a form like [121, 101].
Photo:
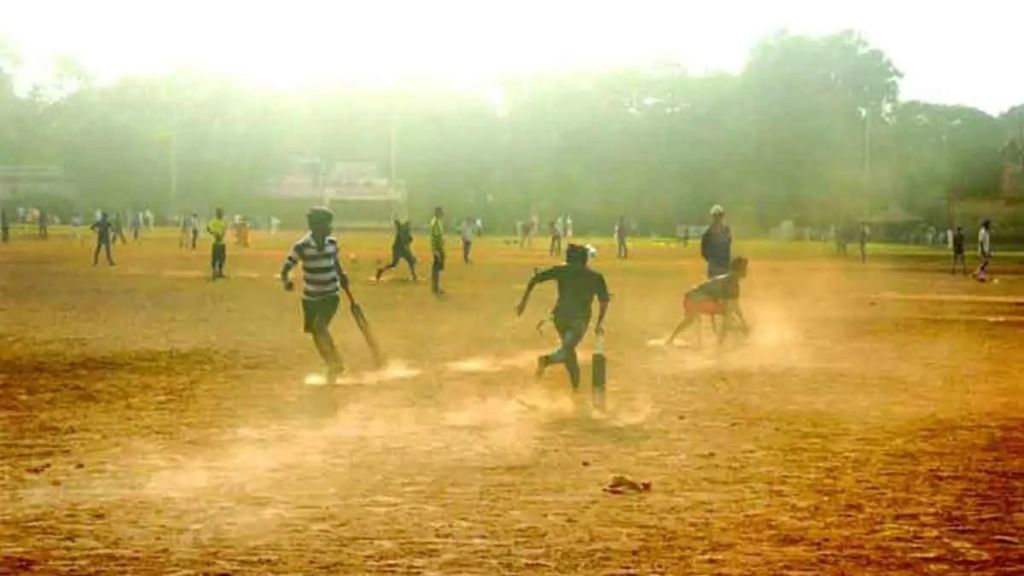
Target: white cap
[717, 210]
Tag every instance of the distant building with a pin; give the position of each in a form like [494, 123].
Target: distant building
[34, 184]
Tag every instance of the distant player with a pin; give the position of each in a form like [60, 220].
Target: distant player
[44, 222]
[958, 250]
[323, 279]
[193, 224]
[862, 240]
[984, 250]
[118, 228]
[719, 296]
[716, 244]
[104, 236]
[578, 285]
[401, 249]
[468, 231]
[218, 227]
[555, 248]
[621, 238]
[437, 249]
[183, 231]
[5, 228]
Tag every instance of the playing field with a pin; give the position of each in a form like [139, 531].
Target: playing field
[152, 421]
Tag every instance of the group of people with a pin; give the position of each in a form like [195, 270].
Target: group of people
[957, 244]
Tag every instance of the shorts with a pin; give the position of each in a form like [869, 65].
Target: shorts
[703, 306]
[438, 265]
[318, 313]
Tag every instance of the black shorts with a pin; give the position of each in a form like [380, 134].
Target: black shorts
[317, 314]
[438, 262]
[398, 254]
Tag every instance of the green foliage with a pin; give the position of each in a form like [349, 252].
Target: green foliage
[812, 130]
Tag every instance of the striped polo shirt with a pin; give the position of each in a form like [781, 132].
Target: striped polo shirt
[321, 270]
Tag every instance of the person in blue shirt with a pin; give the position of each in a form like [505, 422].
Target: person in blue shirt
[716, 244]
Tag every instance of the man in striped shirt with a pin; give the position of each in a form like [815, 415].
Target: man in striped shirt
[323, 280]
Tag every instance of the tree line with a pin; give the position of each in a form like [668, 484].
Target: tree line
[813, 130]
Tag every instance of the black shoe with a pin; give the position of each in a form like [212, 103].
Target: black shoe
[542, 364]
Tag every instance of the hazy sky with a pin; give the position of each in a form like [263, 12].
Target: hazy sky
[955, 52]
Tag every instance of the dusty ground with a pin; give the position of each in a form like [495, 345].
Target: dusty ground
[154, 422]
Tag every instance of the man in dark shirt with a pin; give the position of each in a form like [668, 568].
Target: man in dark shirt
[958, 251]
[719, 296]
[104, 229]
[716, 243]
[401, 249]
[577, 288]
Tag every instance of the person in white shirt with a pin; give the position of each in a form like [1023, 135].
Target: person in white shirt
[468, 231]
[984, 250]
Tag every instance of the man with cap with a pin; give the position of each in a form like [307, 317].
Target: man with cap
[716, 244]
[323, 279]
[578, 285]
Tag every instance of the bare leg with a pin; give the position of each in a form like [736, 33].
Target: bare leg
[683, 325]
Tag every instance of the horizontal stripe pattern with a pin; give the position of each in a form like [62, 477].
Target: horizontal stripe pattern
[319, 267]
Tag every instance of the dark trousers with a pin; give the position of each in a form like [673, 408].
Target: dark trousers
[195, 238]
[467, 246]
[958, 258]
[622, 250]
[218, 258]
[571, 332]
[556, 246]
[102, 244]
[435, 272]
[397, 255]
[5, 234]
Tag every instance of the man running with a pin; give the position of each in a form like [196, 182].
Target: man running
[716, 244]
[104, 230]
[719, 296]
[401, 249]
[578, 285]
[323, 278]
[218, 227]
[958, 251]
[437, 249]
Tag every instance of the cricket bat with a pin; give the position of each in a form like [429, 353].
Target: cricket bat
[598, 373]
[371, 340]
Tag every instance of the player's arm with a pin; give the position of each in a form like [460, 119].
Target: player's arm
[603, 299]
[537, 278]
[286, 269]
[343, 281]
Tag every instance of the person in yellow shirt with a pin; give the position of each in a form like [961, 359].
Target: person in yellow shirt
[218, 227]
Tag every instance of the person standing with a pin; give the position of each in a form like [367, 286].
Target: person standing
[119, 228]
[578, 286]
[401, 249]
[43, 224]
[5, 228]
[621, 237]
[437, 249]
[958, 250]
[323, 280]
[555, 249]
[104, 230]
[716, 244]
[984, 250]
[193, 224]
[218, 227]
[468, 230]
[862, 239]
[136, 225]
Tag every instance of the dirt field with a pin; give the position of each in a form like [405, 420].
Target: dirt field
[152, 421]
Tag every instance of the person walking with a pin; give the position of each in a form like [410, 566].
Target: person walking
[621, 237]
[218, 227]
[104, 231]
[468, 232]
[984, 250]
[437, 249]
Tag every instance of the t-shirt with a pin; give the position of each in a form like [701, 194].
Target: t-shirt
[217, 227]
[321, 271]
[984, 242]
[437, 235]
[467, 231]
[719, 288]
[403, 236]
[103, 229]
[577, 288]
[958, 242]
[716, 248]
